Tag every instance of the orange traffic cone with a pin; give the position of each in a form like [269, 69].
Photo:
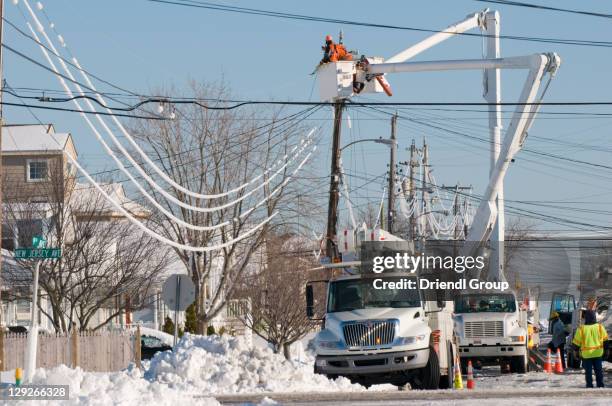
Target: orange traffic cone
[547, 363]
[558, 364]
[470, 376]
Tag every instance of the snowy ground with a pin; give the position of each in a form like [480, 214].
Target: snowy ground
[199, 366]
[202, 368]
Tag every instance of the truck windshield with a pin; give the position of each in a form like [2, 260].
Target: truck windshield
[482, 303]
[353, 294]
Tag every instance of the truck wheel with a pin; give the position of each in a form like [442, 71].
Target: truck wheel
[446, 381]
[429, 376]
[519, 364]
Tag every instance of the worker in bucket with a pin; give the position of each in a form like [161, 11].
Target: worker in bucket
[590, 337]
[559, 336]
[333, 52]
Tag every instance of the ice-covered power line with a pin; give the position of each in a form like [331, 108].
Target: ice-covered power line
[132, 161]
[134, 144]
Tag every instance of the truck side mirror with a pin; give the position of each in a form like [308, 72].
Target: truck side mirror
[309, 301]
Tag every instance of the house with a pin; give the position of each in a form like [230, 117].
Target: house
[39, 188]
[39, 183]
[35, 170]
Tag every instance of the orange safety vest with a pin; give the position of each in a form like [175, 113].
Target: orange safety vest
[590, 338]
[338, 52]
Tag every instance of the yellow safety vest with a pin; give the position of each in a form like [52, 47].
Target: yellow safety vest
[530, 332]
[590, 338]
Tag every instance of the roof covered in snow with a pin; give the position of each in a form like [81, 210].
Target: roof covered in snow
[34, 138]
[85, 195]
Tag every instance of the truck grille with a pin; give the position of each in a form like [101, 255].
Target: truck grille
[484, 328]
[369, 333]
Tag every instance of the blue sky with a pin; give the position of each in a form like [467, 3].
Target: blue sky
[142, 45]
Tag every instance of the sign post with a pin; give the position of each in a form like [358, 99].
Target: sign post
[39, 252]
[178, 293]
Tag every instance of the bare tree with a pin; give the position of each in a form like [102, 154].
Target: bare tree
[104, 262]
[276, 292]
[211, 150]
[518, 234]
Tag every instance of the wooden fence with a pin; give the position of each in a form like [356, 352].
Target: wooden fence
[100, 351]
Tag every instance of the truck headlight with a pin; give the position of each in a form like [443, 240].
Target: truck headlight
[517, 339]
[410, 340]
[330, 344]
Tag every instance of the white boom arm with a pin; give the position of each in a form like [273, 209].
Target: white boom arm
[488, 22]
[472, 21]
[522, 118]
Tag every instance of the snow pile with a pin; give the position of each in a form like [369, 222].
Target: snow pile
[198, 368]
[115, 388]
[222, 364]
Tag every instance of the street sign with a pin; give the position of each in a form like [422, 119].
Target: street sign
[38, 241]
[178, 292]
[40, 253]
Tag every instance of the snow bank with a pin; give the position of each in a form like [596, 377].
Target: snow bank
[117, 388]
[198, 368]
[224, 365]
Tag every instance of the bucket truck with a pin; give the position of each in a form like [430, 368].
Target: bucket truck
[409, 339]
[378, 335]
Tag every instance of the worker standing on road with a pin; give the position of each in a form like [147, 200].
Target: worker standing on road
[558, 337]
[590, 337]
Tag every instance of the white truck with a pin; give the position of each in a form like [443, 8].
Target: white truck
[491, 329]
[373, 335]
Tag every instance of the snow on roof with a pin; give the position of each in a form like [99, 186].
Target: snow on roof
[86, 193]
[35, 137]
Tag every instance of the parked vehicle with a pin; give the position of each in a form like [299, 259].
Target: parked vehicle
[376, 336]
[149, 346]
[492, 329]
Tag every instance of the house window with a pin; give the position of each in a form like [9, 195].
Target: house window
[26, 229]
[22, 307]
[8, 237]
[37, 170]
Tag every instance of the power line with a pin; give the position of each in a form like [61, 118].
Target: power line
[291, 16]
[34, 106]
[549, 8]
[25, 34]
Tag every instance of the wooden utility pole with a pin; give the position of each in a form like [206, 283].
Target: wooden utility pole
[412, 194]
[424, 189]
[391, 189]
[1, 130]
[334, 185]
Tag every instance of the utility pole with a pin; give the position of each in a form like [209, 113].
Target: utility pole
[391, 191]
[334, 185]
[412, 194]
[424, 188]
[456, 210]
[1, 170]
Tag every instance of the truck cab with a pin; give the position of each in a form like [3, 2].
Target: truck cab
[377, 335]
[491, 329]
